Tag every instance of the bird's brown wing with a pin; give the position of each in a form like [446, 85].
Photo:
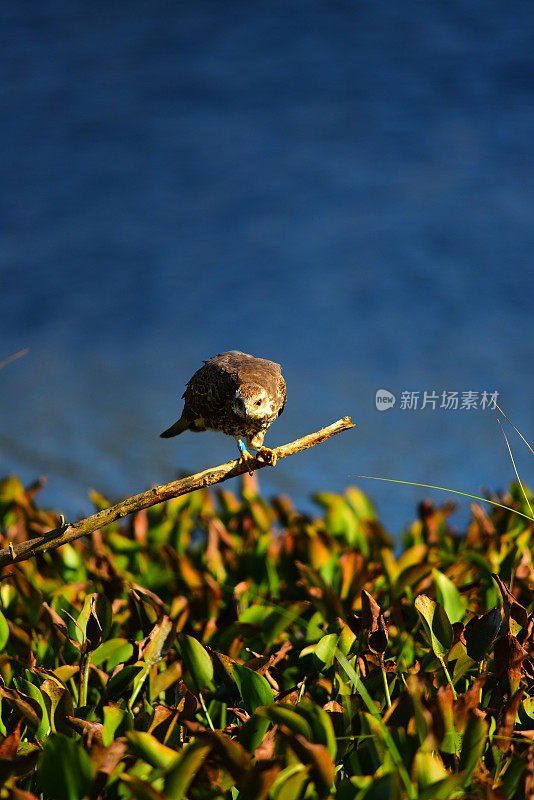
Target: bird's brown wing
[209, 391]
[212, 388]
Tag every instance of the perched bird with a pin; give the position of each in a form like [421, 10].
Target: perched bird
[237, 394]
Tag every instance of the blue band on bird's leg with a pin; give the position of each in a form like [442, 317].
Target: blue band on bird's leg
[241, 445]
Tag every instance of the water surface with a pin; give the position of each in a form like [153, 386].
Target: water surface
[344, 187]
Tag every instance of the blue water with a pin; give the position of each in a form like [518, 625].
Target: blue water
[344, 187]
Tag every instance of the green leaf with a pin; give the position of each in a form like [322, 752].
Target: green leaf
[321, 725]
[360, 504]
[94, 621]
[179, 778]
[428, 768]
[83, 616]
[341, 521]
[513, 774]
[451, 787]
[141, 790]
[473, 743]
[481, 632]
[148, 748]
[64, 769]
[516, 614]
[34, 692]
[449, 596]
[386, 735]
[4, 631]
[377, 788]
[278, 620]
[29, 710]
[114, 651]
[252, 733]
[122, 544]
[254, 615]
[254, 689]
[346, 639]
[288, 715]
[115, 720]
[289, 783]
[3, 729]
[463, 663]
[58, 701]
[325, 650]
[436, 624]
[197, 660]
[123, 679]
[138, 683]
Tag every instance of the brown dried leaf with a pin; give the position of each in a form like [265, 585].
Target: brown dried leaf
[140, 526]
[318, 756]
[142, 594]
[259, 780]
[260, 664]
[57, 699]
[468, 702]
[373, 622]
[506, 722]
[164, 720]
[140, 788]
[370, 611]
[233, 755]
[17, 794]
[93, 629]
[9, 747]
[526, 635]
[508, 658]
[267, 749]
[16, 632]
[481, 528]
[59, 624]
[159, 641]
[93, 730]
[106, 759]
[171, 674]
[512, 607]
[27, 706]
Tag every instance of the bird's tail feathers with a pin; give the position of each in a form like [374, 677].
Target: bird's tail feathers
[178, 427]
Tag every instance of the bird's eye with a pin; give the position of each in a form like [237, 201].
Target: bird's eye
[257, 403]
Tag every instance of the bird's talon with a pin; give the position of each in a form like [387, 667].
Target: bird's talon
[248, 460]
[267, 455]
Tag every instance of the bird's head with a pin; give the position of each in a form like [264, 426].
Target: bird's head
[251, 402]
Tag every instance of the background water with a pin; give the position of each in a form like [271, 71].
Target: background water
[344, 187]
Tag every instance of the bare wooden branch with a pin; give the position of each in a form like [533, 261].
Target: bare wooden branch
[14, 357]
[69, 532]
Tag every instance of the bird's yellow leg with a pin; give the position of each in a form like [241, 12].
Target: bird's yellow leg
[246, 457]
[267, 455]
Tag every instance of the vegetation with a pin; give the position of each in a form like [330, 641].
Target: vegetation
[218, 646]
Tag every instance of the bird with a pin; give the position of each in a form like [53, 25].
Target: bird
[238, 394]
